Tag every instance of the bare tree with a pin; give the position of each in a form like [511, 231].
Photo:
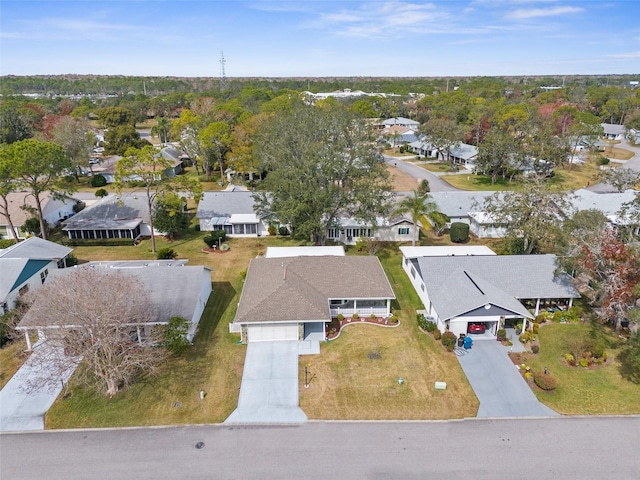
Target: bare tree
[103, 317]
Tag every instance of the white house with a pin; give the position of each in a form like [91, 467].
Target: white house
[459, 286]
[349, 230]
[292, 298]
[174, 288]
[232, 211]
[19, 204]
[613, 131]
[25, 266]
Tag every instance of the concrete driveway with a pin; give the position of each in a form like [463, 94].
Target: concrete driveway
[269, 388]
[497, 383]
[25, 399]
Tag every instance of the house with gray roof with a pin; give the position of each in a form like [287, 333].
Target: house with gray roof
[464, 154]
[25, 266]
[174, 288]
[495, 290]
[401, 122]
[612, 131]
[291, 298]
[114, 216]
[232, 211]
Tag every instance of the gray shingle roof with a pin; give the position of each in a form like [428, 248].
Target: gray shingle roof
[299, 288]
[224, 204]
[607, 203]
[35, 248]
[463, 292]
[114, 211]
[173, 291]
[521, 276]
[459, 203]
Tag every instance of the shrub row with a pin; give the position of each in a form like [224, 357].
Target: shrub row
[98, 242]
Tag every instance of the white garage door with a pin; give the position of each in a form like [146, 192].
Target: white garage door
[270, 333]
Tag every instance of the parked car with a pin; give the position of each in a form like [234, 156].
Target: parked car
[94, 161]
[477, 328]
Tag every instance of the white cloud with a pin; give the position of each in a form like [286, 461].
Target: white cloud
[626, 55]
[523, 14]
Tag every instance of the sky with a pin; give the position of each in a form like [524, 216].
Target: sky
[265, 38]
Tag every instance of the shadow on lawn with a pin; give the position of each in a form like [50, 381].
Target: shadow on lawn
[221, 295]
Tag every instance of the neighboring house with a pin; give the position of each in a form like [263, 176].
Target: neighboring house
[350, 230]
[25, 266]
[176, 158]
[292, 298]
[613, 131]
[422, 148]
[231, 211]
[633, 136]
[609, 204]
[174, 290]
[459, 286]
[457, 205]
[400, 122]
[464, 154]
[398, 135]
[54, 211]
[114, 216]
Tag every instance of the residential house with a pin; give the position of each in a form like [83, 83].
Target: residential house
[423, 149]
[348, 230]
[232, 211]
[464, 154]
[22, 205]
[293, 298]
[613, 131]
[176, 158]
[400, 122]
[399, 135]
[458, 205]
[114, 216]
[459, 286]
[25, 266]
[610, 204]
[174, 288]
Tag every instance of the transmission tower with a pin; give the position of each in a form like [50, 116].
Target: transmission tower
[223, 76]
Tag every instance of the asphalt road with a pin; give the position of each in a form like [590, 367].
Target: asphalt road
[552, 448]
[436, 184]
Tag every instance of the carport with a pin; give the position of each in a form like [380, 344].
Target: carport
[497, 383]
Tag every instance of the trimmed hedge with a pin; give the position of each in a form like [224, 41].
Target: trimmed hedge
[459, 232]
[98, 242]
[98, 181]
[449, 340]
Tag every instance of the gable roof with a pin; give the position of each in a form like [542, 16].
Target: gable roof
[607, 203]
[463, 292]
[521, 276]
[36, 248]
[225, 204]
[111, 212]
[400, 121]
[299, 288]
[464, 151]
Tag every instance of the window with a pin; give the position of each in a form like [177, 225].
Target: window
[413, 272]
[43, 275]
[403, 231]
[333, 233]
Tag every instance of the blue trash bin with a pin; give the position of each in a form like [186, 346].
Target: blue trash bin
[468, 341]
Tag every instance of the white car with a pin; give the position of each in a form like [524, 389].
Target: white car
[94, 161]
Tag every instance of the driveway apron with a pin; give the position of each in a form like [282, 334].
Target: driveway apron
[497, 383]
[269, 388]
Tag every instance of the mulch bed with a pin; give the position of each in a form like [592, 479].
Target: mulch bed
[383, 322]
[214, 250]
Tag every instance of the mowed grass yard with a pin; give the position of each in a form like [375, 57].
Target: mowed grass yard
[356, 375]
[351, 387]
[599, 390]
[213, 365]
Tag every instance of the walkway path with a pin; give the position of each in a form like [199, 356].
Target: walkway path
[500, 388]
[27, 397]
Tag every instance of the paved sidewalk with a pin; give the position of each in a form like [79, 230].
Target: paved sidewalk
[25, 399]
[498, 384]
[269, 388]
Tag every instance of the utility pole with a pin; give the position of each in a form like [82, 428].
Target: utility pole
[223, 76]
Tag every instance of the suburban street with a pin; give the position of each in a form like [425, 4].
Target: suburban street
[435, 183]
[548, 448]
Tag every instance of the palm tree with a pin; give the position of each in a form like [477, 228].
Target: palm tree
[419, 207]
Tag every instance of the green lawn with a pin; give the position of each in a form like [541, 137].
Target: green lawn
[348, 384]
[579, 176]
[583, 391]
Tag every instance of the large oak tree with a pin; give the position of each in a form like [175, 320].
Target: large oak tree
[322, 164]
